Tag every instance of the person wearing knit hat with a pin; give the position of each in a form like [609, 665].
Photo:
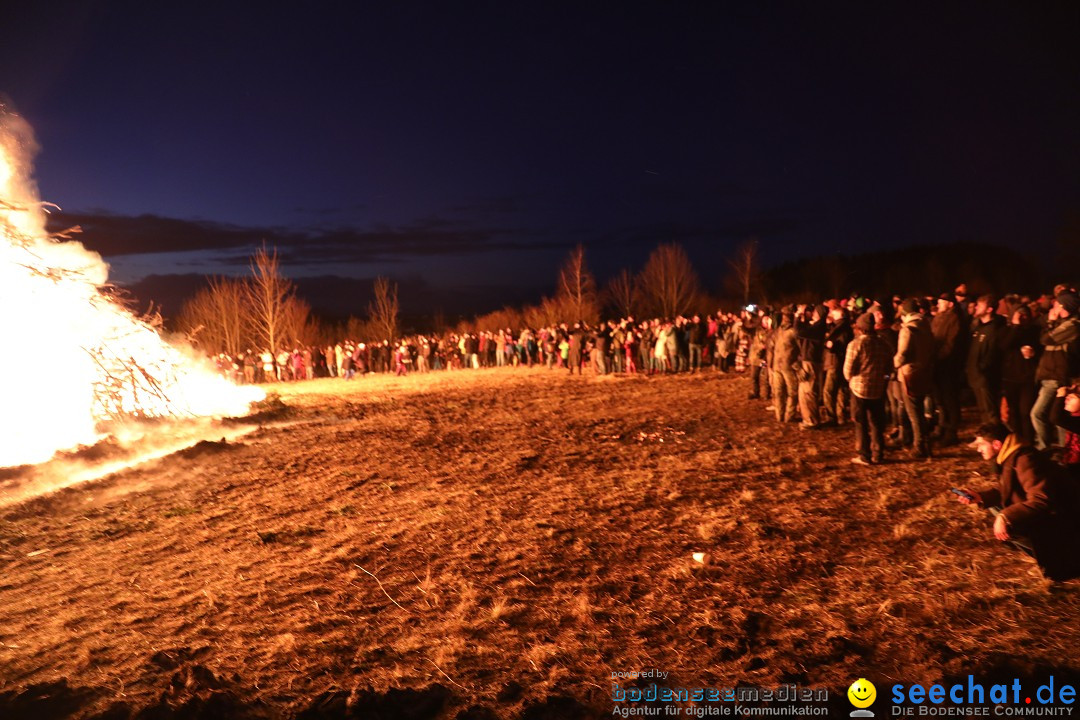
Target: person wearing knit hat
[914, 362]
[866, 365]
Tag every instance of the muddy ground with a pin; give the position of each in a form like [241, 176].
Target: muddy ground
[495, 544]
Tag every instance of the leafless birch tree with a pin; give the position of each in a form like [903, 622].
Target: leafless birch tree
[576, 292]
[383, 310]
[744, 266]
[269, 295]
[668, 283]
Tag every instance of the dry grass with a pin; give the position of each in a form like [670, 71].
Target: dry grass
[512, 536]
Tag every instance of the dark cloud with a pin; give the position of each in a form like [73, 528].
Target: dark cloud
[502, 205]
[335, 297]
[113, 235]
[119, 235]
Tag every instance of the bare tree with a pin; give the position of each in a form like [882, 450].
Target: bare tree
[269, 296]
[546, 313]
[216, 317]
[383, 310]
[744, 266]
[577, 288]
[622, 294]
[668, 283]
[298, 328]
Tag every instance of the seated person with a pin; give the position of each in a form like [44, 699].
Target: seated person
[1034, 506]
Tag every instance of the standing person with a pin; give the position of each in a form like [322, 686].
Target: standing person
[695, 336]
[618, 340]
[757, 358]
[268, 372]
[811, 340]
[1020, 338]
[577, 342]
[914, 362]
[835, 391]
[675, 347]
[660, 352]
[948, 366]
[630, 342]
[249, 366]
[866, 365]
[599, 351]
[1059, 364]
[984, 359]
[423, 358]
[400, 355]
[785, 355]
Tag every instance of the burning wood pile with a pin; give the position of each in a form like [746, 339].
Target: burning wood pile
[75, 357]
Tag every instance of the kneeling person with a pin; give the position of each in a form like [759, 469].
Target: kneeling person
[1034, 507]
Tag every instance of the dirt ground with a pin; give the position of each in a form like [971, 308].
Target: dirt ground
[497, 543]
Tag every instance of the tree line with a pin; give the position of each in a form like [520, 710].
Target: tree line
[262, 311]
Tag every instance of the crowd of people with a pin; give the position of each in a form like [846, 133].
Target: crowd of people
[685, 344]
[898, 371]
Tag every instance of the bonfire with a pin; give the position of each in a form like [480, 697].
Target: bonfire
[75, 356]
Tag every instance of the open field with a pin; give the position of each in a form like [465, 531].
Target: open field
[495, 544]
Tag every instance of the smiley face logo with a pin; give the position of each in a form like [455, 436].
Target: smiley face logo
[862, 693]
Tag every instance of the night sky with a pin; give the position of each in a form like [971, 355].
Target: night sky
[464, 148]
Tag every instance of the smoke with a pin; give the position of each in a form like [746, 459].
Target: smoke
[22, 214]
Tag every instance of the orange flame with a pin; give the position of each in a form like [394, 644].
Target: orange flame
[73, 357]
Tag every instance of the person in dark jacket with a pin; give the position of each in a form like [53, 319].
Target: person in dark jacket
[1020, 338]
[948, 367]
[810, 337]
[1034, 507]
[577, 344]
[984, 359]
[1059, 364]
[695, 338]
[835, 391]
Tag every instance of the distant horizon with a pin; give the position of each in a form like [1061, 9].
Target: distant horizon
[461, 147]
[336, 298]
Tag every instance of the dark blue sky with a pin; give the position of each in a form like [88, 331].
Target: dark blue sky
[466, 147]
